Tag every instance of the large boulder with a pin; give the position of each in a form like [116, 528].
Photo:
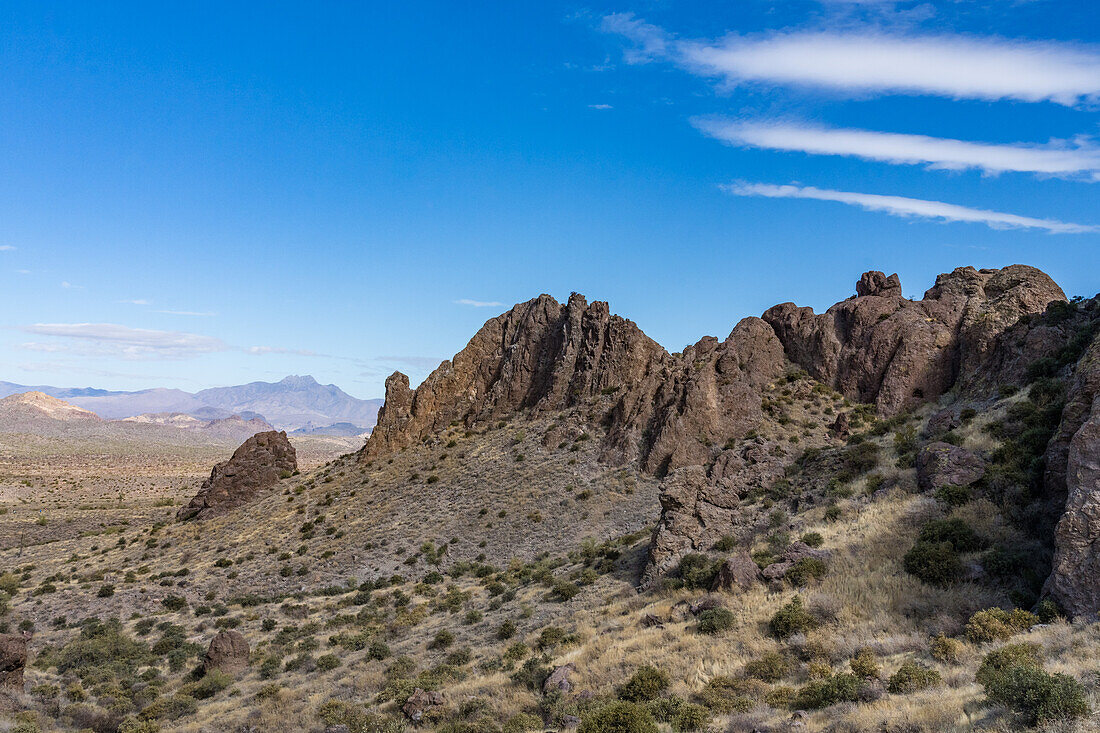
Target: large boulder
[257, 465]
[13, 660]
[738, 572]
[943, 464]
[228, 652]
[420, 703]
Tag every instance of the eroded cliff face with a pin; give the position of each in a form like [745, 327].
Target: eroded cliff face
[881, 348]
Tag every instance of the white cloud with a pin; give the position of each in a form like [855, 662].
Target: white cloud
[136, 302]
[907, 207]
[478, 303]
[6, 248]
[110, 339]
[600, 106]
[1079, 159]
[260, 350]
[956, 66]
[650, 42]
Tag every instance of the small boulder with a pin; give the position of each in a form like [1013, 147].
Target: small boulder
[419, 703]
[228, 652]
[707, 603]
[13, 660]
[942, 422]
[942, 464]
[737, 573]
[841, 428]
[559, 679]
[877, 283]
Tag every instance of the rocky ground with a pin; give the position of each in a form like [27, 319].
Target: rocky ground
[873, 519]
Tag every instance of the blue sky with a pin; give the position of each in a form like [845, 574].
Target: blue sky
[204, 194]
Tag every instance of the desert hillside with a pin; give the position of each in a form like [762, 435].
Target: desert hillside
[877, 518]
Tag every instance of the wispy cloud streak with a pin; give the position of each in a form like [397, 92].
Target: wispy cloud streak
[910, 208]
[1080, 159]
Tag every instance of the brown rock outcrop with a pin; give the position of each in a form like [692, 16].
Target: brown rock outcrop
[228, 652]
[13, 660]
[739, 572]
[419, 703]
[663, 411]
[879, 347]
[943, 464]
[258, 464]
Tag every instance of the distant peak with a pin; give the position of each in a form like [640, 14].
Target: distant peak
[295, 380]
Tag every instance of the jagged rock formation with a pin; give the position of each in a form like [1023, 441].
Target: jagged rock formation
[685, 416]
[738, 572]
[1073, 467]
[542, 357]
[879, 347]
[228, 652]
[258, 464]
[13, 660]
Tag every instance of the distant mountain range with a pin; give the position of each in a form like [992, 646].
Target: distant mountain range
[294, 403]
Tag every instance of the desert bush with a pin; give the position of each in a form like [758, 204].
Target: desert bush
[729, 694]
[690, 718]
[935, 563]
[813, 539]
[912, 677]
[506, 630]
[618, 717]
[771, 667]
[442, 639]
[1036, 695]
[714, 621]
[521, 723]
[956, 531]
[211, 684]
[378, 650]
[863, 664]
[697, 570]
[793, 618]
[953, 495]
[805, 569]
[945, 649]
[997, 624]
[1010, 655]
[645, 684]
[830, 691]
[327, 662]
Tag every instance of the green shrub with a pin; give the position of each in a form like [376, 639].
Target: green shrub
[521, 723]
[690, 718]
[697, 570]
[174, 603]
[997, 624]
[956, 531]
[618, 717]
[1010, 655]
[645, 684]
[211, 684]
[714, 621]
[912, 677]
[1037, 696]
[729, 694]
[935, 563]
[945, 649]
[506, 630]
[954, 495]
[106, 591]
[863, 664]
[378, 650]
[442, 639]
[793, 618]
[1048, 610]
[327, 662]
[805, 569]
[771, 667]
[829, 691]
[813, 539]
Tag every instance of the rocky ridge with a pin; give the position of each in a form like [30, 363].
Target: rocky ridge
[258, 464]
